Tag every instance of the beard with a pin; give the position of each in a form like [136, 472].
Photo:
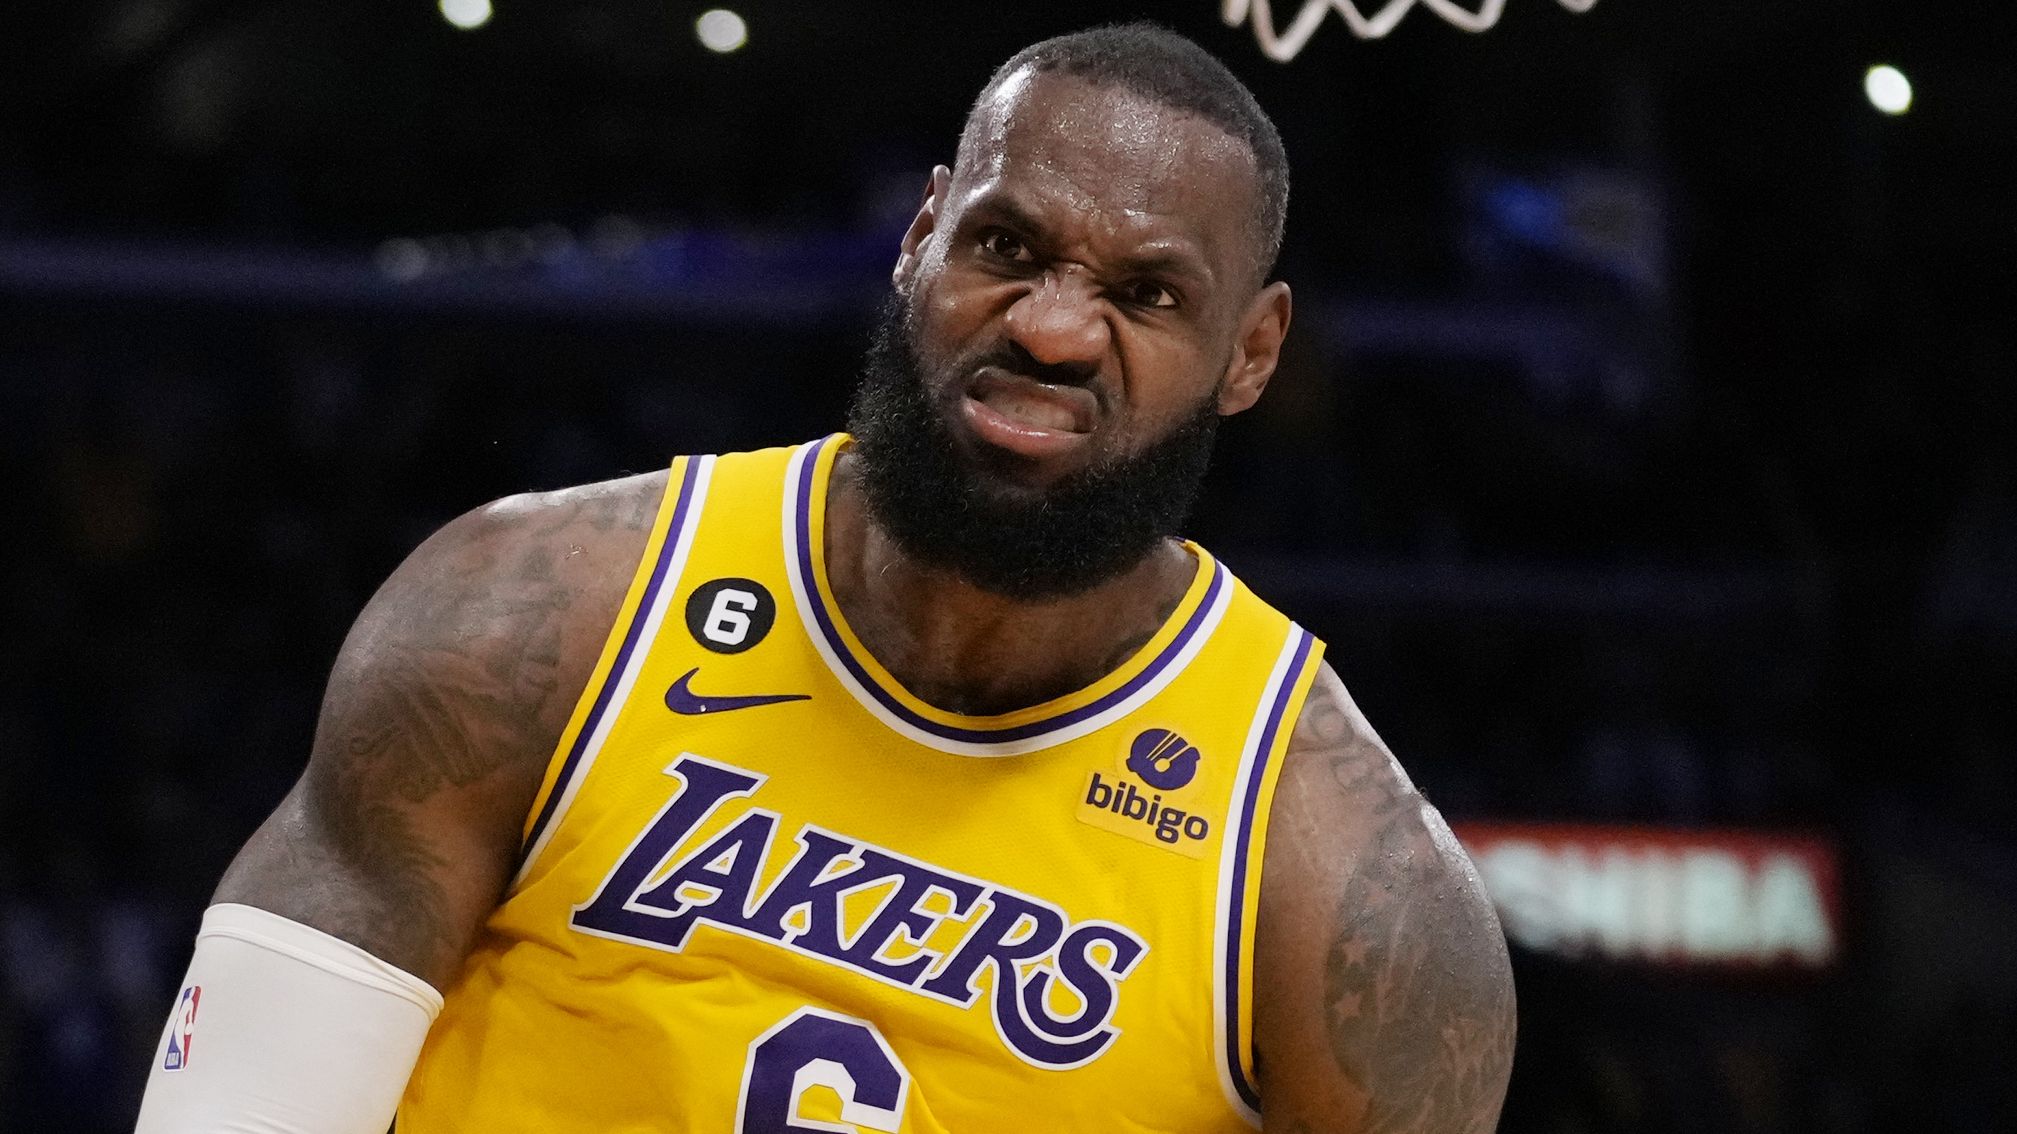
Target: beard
[963, 513]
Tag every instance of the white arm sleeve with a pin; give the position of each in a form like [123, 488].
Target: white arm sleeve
[283, 1029]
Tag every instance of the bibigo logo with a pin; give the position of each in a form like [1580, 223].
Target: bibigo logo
[1149, 811]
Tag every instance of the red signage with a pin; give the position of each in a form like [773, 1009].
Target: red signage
[1655, 894]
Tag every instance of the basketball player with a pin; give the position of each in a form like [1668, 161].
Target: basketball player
[914, 779]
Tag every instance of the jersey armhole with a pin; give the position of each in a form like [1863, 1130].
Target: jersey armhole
[637, 622]
[1274, 723]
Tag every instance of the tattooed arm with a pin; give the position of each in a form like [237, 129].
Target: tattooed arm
[317, 969]
[441, 713]
[1383, 997]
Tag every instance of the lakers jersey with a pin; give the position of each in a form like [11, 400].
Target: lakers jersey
[766, 889]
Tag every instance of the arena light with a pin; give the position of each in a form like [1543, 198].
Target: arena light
[1888, 89]
[721, 31]
[466, 14]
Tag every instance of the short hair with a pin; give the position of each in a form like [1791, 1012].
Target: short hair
[1146, 59]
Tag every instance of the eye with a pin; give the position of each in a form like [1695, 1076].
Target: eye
[1003, 244]
[1148, 293]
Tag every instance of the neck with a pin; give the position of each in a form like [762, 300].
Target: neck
[971, 651]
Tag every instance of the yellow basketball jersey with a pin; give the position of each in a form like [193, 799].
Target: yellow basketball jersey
[767, 889]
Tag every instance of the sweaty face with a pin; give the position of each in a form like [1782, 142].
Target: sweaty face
[1040, 402]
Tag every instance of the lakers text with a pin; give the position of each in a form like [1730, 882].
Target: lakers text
[664, 886]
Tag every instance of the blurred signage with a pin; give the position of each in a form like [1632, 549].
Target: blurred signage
[1672, 896]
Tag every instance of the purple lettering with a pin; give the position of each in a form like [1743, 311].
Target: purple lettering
[1099, 793]
[997, 940]
[899, 917]
[705, 786]
[1091, 979]
[655, 895]
[1044, 1039]
[725, 868]
[802, 885]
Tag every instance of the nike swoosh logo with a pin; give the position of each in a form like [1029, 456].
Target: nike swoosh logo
[683, 700]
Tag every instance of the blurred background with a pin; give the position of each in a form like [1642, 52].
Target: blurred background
[1646, 450]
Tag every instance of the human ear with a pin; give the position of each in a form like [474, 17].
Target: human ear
[911, 250]
[1257, 350]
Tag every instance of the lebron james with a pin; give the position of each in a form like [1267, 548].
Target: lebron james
[917, 778]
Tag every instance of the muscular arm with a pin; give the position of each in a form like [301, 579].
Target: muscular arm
[1383, 996]
[440, 716]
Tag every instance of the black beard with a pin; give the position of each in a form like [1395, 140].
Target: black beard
[954, 513]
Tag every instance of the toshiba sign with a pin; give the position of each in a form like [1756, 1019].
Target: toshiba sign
[1639, 893]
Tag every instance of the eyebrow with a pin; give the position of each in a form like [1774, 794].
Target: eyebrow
[1184, 263]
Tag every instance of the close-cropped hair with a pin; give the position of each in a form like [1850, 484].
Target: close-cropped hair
[1155, 63]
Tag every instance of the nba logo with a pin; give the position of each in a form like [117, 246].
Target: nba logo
[182, 1030]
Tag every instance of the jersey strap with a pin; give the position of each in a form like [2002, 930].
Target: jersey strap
[643, 610]
[1246, 825]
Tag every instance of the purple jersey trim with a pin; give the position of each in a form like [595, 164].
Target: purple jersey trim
[631, 634]
[824, 620]
[1236, 911]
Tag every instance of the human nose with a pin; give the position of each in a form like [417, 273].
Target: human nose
[1059, 321]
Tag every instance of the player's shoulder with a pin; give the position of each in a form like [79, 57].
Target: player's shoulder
[1345, 794]
[625, 504]
[1377, 945]
[566, 535]
[1338, 756]
[552, 565]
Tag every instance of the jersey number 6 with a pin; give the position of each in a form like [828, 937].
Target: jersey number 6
[728, 621]
[815, 1048]
[730, 615]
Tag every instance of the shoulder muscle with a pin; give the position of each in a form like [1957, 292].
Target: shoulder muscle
[479, 642]
[439, 718]
[1384, 998]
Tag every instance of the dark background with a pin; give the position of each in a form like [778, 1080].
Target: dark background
[1645, 448]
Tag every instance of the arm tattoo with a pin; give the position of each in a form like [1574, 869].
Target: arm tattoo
[459, 686]
[403, 915]
[462, 688]
[1417, 999]
[438, 724]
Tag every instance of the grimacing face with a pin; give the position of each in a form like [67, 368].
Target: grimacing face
[1084, 280]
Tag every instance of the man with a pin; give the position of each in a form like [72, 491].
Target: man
[911, 780]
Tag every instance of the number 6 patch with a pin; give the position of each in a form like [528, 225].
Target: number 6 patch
[729, 616]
